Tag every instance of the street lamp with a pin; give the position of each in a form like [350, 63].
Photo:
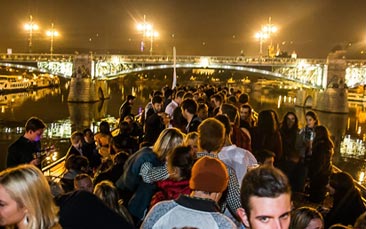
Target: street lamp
[52, 33]
[30, 27]
[261, 36]
[270, 29]
[147, 31]
[266, 33]
[152, 34]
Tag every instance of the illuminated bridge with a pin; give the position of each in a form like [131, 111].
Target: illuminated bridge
[309, 72]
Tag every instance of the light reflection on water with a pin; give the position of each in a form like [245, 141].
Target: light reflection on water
[62, 118]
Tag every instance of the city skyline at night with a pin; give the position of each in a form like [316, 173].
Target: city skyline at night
[310, 28]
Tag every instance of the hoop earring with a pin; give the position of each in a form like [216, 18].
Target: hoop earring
[26, 220]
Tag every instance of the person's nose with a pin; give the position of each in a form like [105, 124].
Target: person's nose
[277, 224]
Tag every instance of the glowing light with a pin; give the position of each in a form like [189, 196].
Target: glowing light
[32, 26]
[361, 177]
[261, 35]
[152, 34]
[52, 33]
[204, 62]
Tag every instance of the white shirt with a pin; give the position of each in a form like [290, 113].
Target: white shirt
[237, 158]
[170, 108]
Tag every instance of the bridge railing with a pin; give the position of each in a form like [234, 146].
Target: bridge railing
[62, 64]
[237, 60]
[35, 57]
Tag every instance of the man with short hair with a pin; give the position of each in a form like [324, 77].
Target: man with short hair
[126, 107]
[216, 101]
[156, 121]
[239, 136]
[246, 117]
[211, 139]
[208, 181]
[76, 147]
[149, 105]
[28, 146]
[202, 111]
[178, 98]
[83, 182]
[266, 199]
[189, 112]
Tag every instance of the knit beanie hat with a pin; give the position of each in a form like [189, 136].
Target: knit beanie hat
[209, 174]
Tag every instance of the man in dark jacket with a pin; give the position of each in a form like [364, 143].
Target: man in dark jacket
[126, 107]
[27, 149]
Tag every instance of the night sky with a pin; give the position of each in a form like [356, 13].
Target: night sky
[196, 27]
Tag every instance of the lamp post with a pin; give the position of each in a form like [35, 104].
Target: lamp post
[52, 33]
[261, 36]
[270, 29]
[30, 27]
[266, 33]
[152, 34]
[147, 32]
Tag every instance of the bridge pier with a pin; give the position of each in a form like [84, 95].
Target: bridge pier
[83, 88]
[334, 97]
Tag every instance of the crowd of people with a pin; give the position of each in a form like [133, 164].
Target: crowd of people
[193, 158]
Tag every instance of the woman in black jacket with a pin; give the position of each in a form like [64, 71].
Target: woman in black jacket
[320, 166]
[347, 201]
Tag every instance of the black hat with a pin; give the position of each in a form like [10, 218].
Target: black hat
[130, 97]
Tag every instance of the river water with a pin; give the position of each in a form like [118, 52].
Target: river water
[62, 117]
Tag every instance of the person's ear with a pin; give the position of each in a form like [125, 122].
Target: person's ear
[243, 216]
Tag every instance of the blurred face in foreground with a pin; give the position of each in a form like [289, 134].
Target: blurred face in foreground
[10, 212]
[267, 212]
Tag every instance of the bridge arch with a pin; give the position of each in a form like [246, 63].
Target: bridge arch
[194, 66]
[308, 101]
[270, 74]
[101, 93]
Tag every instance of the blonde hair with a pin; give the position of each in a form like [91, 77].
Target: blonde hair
[76, 137]
[29, 188]
[168, 139]
[191, 136]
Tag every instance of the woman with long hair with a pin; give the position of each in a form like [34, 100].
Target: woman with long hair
[289, 129]
[108, 193]
[26, 201]
[320, 166]
[266, 134]
[306, 217]
[291, 164]
[145, 167]
[305, 140]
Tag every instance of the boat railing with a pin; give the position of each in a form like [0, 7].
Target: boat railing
[55, 169]
[361, 187]
[356, 96]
